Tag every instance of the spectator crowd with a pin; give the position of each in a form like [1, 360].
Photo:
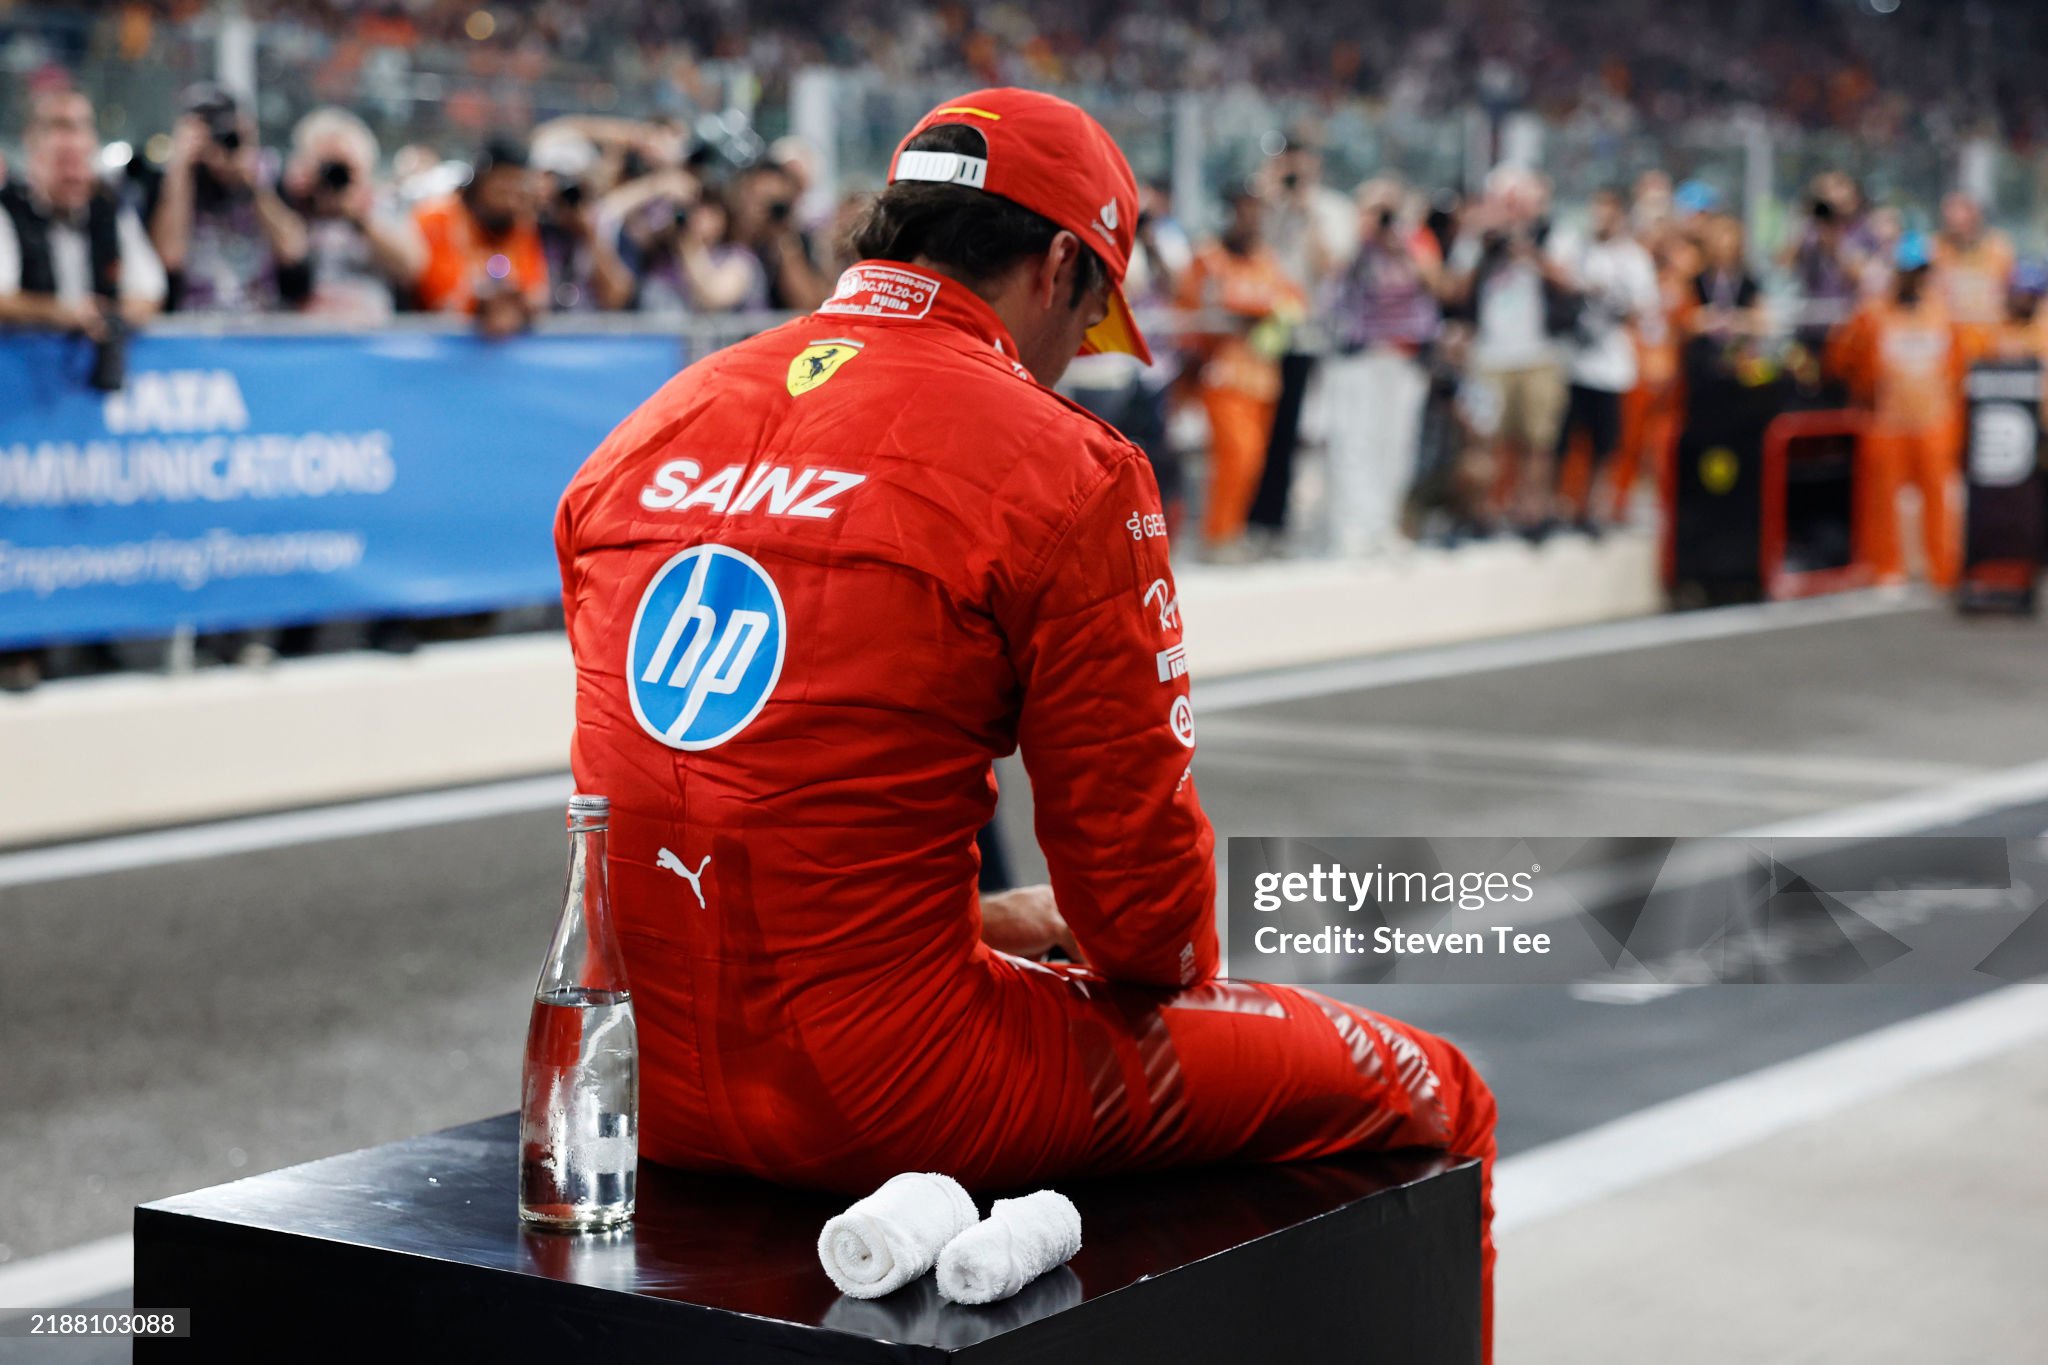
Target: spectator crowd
[1882, 71]
[586, 216]
[1473, 368]
[589, 215]
[1468, 367]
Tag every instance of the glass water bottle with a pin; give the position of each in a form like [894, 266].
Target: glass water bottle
[579, 1119]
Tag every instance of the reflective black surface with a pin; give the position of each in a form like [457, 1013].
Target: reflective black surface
[738, 1246]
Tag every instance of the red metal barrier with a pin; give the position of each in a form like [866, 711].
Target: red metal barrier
[1778, 581]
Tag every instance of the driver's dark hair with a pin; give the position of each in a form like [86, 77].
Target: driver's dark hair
[972, 233]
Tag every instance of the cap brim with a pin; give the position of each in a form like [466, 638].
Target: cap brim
[1117, 332]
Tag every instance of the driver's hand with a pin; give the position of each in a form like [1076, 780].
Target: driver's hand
[1024, 922]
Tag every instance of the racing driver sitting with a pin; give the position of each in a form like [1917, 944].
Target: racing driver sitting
[815, 585]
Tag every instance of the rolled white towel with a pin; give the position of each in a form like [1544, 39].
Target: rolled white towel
[1020, 1240]
[895, 1234]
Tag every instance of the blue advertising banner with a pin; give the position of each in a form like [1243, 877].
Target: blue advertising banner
[242, 481]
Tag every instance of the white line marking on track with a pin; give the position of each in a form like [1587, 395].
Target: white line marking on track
[65, 1277]
[126, 852]
[1650, 1143]
[1715, 856]
[1364, 767]
[1533, 1185]
[1913, 812]
[1422, 742]
[122, 853]
[1521, 651]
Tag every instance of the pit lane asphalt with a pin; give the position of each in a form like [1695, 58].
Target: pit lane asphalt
[177, 1026]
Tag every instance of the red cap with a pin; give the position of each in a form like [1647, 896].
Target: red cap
[1050, 157]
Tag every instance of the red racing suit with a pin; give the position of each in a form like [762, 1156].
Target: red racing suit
[814, 586]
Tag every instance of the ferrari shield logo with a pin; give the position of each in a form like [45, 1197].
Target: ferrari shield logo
[818, 362]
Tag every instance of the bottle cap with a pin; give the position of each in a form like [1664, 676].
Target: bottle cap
[588, 806]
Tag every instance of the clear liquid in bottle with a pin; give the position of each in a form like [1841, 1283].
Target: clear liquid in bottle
[579, 1115]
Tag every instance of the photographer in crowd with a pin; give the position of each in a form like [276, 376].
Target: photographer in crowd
[228, 242]
[763, 203]
[1617, 287]
[1381, 314]
[675, 236]
[1521, 300]
[72, 257]
[1827, 257]
[483, 247]
[361, 252]
[1311, 229]
[585, 273]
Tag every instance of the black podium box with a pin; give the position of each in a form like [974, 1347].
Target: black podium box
[414, 1251]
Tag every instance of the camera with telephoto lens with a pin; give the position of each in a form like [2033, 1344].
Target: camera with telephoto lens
[110, 352]
[336, 176]
[216, 109]
[685, 213]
